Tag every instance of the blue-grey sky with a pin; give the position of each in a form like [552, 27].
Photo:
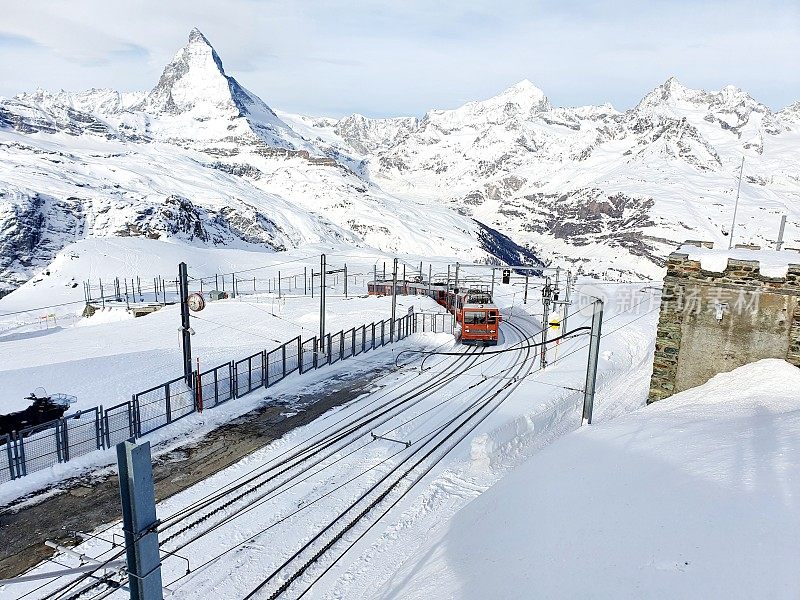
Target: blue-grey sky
[392, 58]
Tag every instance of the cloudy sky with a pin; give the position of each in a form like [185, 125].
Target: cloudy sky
[391, 58]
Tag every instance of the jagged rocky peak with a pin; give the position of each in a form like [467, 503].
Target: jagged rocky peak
[673, 94]
[195, 81]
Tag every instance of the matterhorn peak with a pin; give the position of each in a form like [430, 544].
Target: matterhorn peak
[195, 81]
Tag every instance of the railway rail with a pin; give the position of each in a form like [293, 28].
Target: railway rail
[328, 447]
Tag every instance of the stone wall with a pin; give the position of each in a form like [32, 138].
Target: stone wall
[760, 318]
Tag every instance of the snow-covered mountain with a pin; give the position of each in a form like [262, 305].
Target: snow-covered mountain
[201, 160]
[592, 185]
[198, 160]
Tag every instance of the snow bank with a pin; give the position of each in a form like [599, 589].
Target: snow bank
[692, 497]
[772, 263]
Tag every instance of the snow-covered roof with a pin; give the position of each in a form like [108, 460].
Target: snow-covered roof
[772, 263]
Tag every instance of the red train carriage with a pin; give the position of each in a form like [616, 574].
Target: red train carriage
[479, 317]
[473, 308]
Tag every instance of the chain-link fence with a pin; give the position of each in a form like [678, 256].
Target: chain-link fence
[42, 446]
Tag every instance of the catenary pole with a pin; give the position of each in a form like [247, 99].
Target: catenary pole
[139, 520]
[322, 269]
[394, 299]
[186, 335]
[591, 367]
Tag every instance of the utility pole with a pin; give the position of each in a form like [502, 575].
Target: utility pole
[305, 281]
[565, 305]
[492, 292]
[279, 285]
[591, 368]
[736, 206]
[139, 520]
[345, 280]
[394, 298]
[456, 283]
[186, 335]
[525, 297]
[322, 269]
[547, 293]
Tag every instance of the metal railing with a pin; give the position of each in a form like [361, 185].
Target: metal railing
[47, 444]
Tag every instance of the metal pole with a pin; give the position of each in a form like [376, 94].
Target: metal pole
[384, 270]
[447, 292]
[779, 243]
[546, 297]
[305, 281]
[102, 296]
[525, 297]
[216, 282]
[455, 285]
[565, 306]
[322, 268]
[279, 284]
[591, 368]
[736, 206]
[345, 280]
[186, 336]
[492, 292]
[394, 299]
[430, 275]
[127, 303]
[139, 520]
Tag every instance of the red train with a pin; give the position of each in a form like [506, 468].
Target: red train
[473, 308]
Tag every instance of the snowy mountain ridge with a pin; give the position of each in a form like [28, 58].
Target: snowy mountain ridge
[200, 159]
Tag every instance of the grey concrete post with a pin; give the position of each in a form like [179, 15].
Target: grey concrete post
[139, 520]
[591, 367]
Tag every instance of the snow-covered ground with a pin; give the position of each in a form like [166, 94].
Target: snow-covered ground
[694, 496]
[538, 407]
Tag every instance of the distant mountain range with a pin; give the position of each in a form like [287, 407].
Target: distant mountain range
[202, 160]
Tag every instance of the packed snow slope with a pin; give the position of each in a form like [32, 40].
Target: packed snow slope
[694, 496]
[199, 160]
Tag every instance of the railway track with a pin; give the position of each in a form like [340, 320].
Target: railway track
[390, 489]
[340, 439]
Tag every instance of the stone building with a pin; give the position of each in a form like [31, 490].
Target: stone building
[721, 309]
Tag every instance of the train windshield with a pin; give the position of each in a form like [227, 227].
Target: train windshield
[479, 298]
[475, 317]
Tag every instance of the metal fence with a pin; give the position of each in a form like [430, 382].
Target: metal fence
[434, 323]
[71, 436]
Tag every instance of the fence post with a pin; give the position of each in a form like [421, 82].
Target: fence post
[64, 438]
[168, 403]
[22, 462]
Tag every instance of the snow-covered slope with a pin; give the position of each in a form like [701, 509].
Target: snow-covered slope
[198, 160]
[692, 497]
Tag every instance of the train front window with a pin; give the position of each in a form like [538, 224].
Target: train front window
[492, 318]
[475, 317]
